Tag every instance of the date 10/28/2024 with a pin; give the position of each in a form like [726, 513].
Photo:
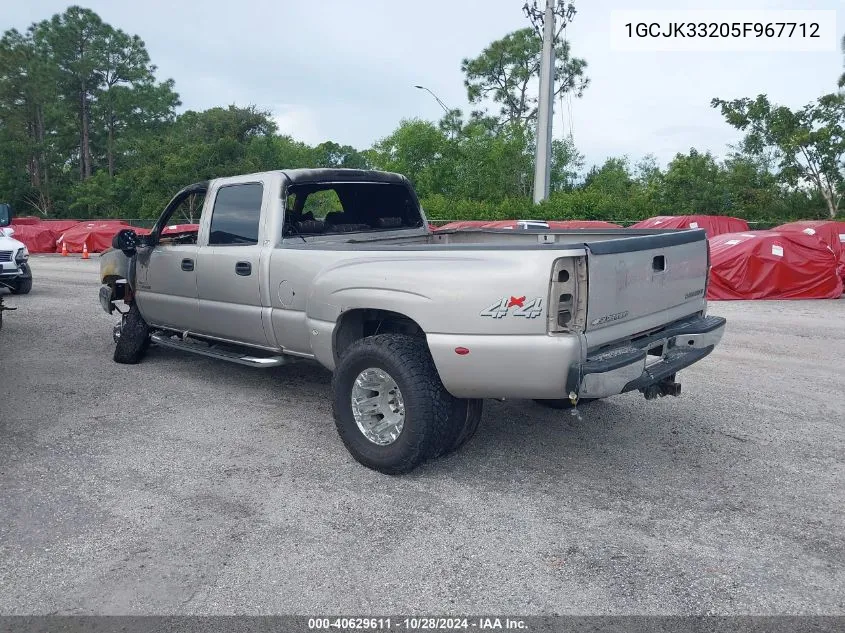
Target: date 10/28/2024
[416, 623]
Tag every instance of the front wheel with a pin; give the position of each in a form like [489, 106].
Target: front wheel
[23, 284]
[133, 339]
[390, 408]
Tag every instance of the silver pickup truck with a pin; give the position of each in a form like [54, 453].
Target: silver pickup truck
[418, 326]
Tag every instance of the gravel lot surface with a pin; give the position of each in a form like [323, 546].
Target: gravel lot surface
[185, 485]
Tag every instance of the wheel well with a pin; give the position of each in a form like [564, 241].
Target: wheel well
[119, 291]
[361, 323]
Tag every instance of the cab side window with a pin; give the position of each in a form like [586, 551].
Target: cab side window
[236, 215]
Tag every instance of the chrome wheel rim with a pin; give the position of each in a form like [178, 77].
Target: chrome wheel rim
[378, 406]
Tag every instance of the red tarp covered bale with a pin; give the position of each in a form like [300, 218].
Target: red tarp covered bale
[180, 228]
[512, 224]
[583, 224]
[463, 224]
[38, 238]
[772, 265]
[829, 232]
[59, 226]
[28, 220]
[98, 235]
[712, 224]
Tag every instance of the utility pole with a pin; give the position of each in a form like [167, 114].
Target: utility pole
[543, 156]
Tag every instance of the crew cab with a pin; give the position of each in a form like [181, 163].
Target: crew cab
[417, 326]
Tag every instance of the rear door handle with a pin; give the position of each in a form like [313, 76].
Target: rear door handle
[187, 264]
[244, 269]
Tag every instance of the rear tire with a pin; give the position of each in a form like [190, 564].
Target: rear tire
[464, 420]
[405, 363]
[23, 284]
[134, 338]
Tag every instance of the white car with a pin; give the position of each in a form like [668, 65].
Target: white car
[15, 273]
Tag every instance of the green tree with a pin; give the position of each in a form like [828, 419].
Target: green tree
[693, 183]
[196, 146]
[841, 81]
[28, 111]
[331, 154]
[487, 164]
[567, 162]
[612, 178]
[72, 41]
[507, 71]
[647, 172]
[808, 143]
[415, 149]
[128, 99]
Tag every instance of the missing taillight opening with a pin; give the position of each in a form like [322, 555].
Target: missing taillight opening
[566, 304]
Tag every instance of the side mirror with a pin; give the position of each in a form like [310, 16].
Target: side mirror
[126, 240]
[7, 231]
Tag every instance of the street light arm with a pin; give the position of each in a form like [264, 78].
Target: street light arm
[442, 105]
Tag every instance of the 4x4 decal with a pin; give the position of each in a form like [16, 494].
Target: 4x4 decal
[528, 309]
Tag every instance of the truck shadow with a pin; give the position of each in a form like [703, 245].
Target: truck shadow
[622, 436]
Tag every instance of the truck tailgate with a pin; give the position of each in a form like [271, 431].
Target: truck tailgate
[643, 282]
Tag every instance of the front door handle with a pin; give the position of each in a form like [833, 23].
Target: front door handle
[187, 264]
[244, 269]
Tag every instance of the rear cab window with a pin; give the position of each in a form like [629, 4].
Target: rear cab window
[236, 215]
[349, 207]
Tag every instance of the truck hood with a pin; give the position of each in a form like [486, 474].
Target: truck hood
[9, 243]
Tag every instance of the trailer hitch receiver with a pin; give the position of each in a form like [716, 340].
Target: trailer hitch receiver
[665, 387]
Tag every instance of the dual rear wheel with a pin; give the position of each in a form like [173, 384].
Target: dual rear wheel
[391, 410]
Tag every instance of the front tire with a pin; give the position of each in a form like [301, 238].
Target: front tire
[134, 338]
[23, 284]
[390, 407]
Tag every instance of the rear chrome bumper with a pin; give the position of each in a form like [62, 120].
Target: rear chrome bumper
[647, 361]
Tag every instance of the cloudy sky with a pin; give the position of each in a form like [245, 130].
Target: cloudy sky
[344, 70]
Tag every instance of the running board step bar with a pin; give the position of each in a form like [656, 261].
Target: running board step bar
[218, 353]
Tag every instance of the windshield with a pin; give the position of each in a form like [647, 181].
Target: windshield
[5, 214]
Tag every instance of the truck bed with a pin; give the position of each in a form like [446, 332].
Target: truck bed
[637, 277]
